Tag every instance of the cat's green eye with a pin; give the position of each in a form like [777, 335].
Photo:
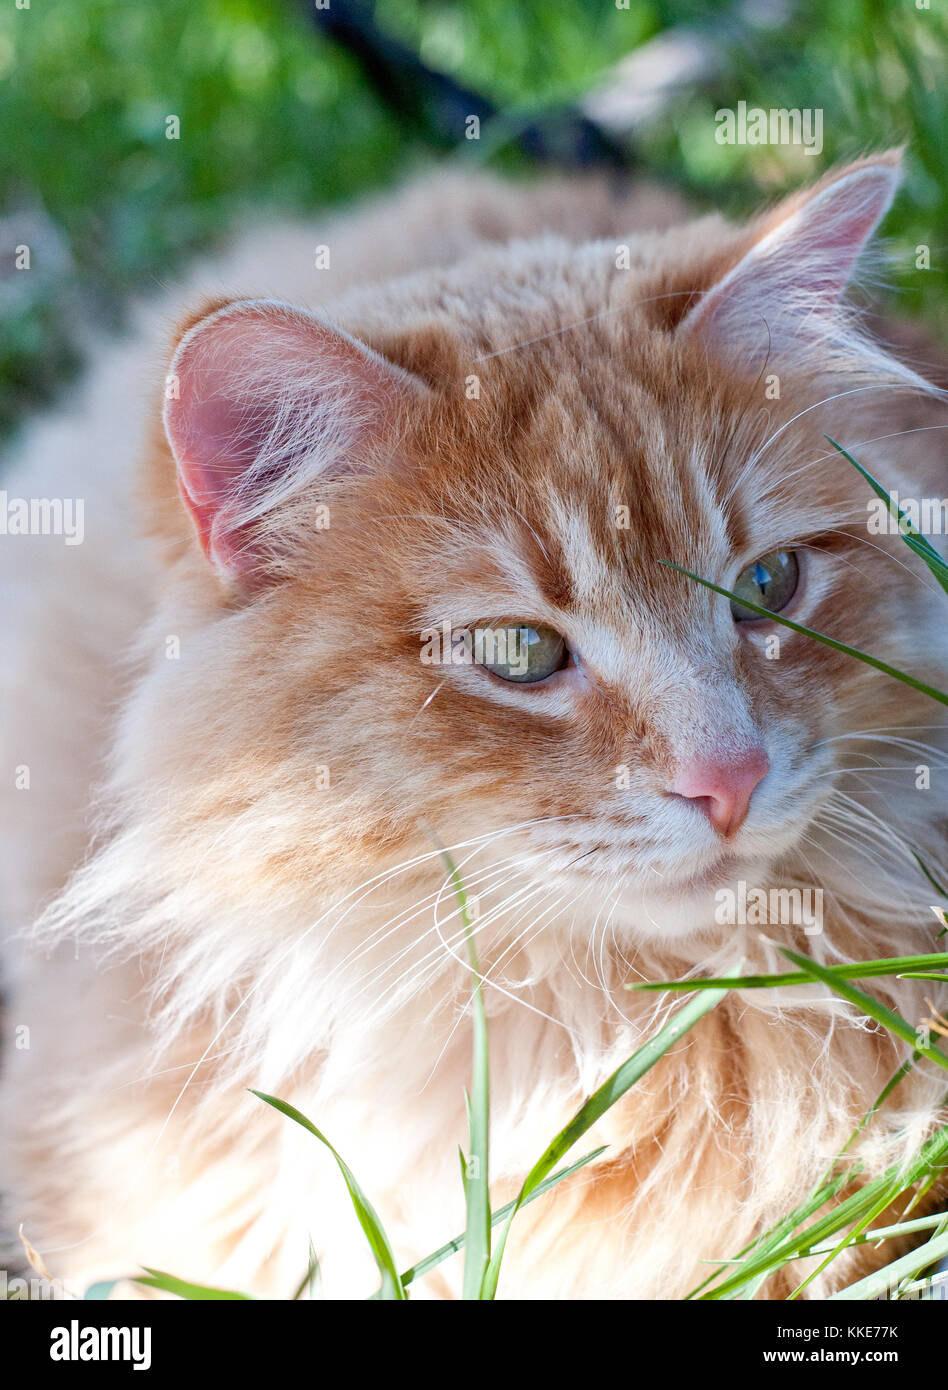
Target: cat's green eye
[518, 652]
[770, 582]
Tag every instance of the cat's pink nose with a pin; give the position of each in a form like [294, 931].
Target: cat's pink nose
[722, 788]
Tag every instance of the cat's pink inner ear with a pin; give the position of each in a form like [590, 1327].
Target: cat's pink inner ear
[782, 294]
[262, 399]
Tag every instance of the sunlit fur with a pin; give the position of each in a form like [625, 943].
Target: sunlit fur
[240, 923]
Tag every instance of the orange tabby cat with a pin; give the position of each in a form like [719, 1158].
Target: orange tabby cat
[392, 565]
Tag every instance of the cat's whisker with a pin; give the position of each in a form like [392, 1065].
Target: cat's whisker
[356, 895]
[434, 960]
[593, 952]
[408, 914]
[848, 836]
[478, 841]
[539, 915]
[827, 400]
[422, 970]
[507, 993]
[503, 867]
[873, 733]
[876, 767]
[169, 1071]
[615, 941]
[426, 702]
[899, 745]
[853, 449]
[915, 746]
[842, 807]
[471, 930]
[486, 978]
[836, 898]
[919, 574]
[893, 849]
[558, 908]
[437, 958]
[864, 811]
[581, 323]
[891, 884]
[865, 831]
[572, 951]
[607, 928]
[592, 984]
[752, 464]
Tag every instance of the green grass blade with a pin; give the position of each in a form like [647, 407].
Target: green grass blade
[611, 1090]
[475, 1169]
[931, 1281]
[310, 1279]
[939, 912]
[881, 1280]
[853, 970]
[800, 1243]
[790, 1244]
[930, 1158]
[452, 1247]
[938, 887]
[755, 1256]
[868, 660]
[158, 1279]
[368, 1218]
[912, 537]
[823, 1191]
[896, 1232]
[881, 1204]
[872, 1008]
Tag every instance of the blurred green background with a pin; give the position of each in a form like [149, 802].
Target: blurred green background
[275, 113]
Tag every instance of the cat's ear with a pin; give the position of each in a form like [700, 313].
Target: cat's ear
[781, 298]
[263, 398]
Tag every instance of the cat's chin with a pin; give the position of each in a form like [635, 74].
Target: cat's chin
[673, 908]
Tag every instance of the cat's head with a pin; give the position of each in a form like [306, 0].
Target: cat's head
[425, 577]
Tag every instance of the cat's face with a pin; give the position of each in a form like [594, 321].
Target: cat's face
[463, 617]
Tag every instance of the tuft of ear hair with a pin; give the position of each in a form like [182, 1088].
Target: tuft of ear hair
[265, 399]
[781, 301]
